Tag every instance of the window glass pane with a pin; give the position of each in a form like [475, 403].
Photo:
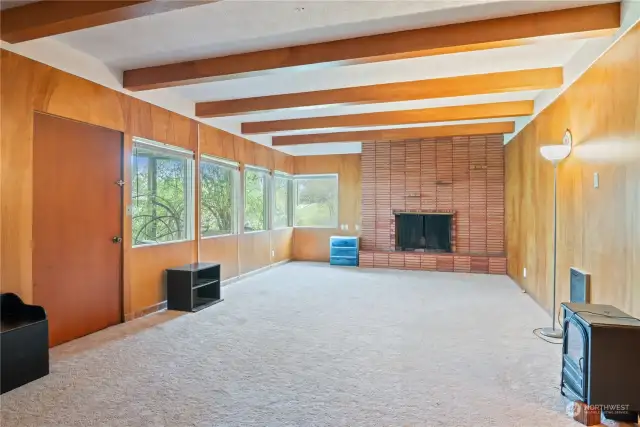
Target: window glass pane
[316, 202]
[255, 200]
[216, 199]
[281, 202]
[162, 191]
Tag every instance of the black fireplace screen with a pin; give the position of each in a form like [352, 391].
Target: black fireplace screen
[423, 232]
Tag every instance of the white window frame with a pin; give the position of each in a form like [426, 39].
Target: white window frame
[174, 151]
[289, 178]
[235, 181]
[294, 202]
[267, 197]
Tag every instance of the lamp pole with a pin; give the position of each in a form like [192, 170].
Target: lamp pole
[553, 332]
[555, 241]
[555, 154]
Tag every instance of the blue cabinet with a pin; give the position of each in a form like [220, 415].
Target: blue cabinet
[343, 250]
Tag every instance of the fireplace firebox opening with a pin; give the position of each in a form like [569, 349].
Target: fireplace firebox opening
[423, 232]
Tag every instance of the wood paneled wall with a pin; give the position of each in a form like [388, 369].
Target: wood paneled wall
[282, 244]
[28, 86]
[224, 250]
[460, 174]
[598, 228]
[216, 142]
[312, 244]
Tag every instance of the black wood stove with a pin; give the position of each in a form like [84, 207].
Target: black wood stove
[601, 359]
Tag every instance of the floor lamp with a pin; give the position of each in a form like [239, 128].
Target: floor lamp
[555, 154]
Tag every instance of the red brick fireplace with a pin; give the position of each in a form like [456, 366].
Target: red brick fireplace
[463, 176]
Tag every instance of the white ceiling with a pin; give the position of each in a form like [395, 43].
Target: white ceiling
[236, 26]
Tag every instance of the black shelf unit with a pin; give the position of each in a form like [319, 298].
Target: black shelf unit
[193, 287]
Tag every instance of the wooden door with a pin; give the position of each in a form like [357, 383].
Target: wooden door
[77, 211]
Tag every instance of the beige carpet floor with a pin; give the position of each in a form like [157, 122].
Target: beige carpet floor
[306, 344]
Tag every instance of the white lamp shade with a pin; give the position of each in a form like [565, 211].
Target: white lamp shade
[555, 153]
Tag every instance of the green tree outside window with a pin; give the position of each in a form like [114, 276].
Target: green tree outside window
[162, 188]
[316, 202]
[216, 199]
[255, 205]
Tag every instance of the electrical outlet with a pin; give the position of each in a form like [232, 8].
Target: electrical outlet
[524, 272]
[596, 180]
[273, 252]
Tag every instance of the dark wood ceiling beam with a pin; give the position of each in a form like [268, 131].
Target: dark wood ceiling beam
[477, 84]
[51, 17]
[588, 21]
[396, 134]
[404, 117]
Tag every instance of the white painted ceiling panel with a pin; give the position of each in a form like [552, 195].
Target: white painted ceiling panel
[236, 26]
[322, 149]
[413, 125]
[389, 106]
[543, 55]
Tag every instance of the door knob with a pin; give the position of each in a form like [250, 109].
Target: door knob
[116, 239]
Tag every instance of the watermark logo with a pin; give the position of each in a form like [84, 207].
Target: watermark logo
[576, 409]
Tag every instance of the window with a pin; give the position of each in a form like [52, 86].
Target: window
[316, 200]
[217, 196]
[255, 198]
[162, 193]
[282, 200]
